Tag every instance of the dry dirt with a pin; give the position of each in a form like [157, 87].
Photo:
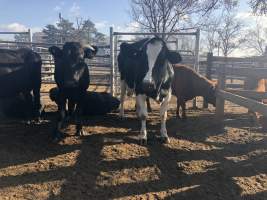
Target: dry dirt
[203, 160]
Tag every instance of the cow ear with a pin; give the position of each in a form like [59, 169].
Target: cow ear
[90, 52]
[55, 51]
[174, 57]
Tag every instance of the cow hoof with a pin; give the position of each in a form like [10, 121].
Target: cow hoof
[143, 141]
[64, 125]
[58, 136]
[165, 140]
[39, 121]
[81, 133]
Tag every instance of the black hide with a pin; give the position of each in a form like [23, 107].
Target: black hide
[20, 72]
[94, 103]
[72, 78]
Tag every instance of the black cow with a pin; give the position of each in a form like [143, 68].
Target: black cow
[72, 78]
[18, 106]
[145, 68]
[20, 73]
[95, 103]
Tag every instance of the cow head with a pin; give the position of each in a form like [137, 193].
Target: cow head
[70, 62]
[157, 62]
[211, 95]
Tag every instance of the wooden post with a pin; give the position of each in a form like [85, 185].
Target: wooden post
[112, 62]
[196, 64]
[208, 73]
[219, 99]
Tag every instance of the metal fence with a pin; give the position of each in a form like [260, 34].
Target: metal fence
[104, 67]
[99, 66]
[190, 56]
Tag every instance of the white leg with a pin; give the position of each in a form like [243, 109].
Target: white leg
[122, 97]
[142, 115]
[163, 117]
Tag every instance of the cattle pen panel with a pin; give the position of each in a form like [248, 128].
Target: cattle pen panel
[235, 80]
[190, 57]
[99, 66]
[246, 98]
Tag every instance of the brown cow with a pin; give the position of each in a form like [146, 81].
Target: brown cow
[259, 85]
[188, 84]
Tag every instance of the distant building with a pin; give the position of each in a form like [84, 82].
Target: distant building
[38, 37]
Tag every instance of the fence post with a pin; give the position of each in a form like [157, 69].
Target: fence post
[116, 69]
[30, 37]
[208, 73]
[196, 64]
[220, 86]
[112, 62]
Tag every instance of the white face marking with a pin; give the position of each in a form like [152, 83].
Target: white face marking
[153, 50]
[89, 47]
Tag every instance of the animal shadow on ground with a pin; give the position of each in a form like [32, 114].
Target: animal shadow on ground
[164, 172]
[215, 182]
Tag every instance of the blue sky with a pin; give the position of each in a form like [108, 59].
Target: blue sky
[35, 14]
[18, 15]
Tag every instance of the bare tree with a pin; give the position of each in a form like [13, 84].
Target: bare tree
[230, 33]
[258, 6]
[256, 39]
[169, 15]
[210, 31]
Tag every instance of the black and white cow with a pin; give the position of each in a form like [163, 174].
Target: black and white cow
[145, 68]
[72, 78]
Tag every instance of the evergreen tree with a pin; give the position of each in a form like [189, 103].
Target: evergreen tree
[64, 31]
[52, 34]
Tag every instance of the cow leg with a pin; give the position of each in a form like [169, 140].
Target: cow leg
[122, 98]
[141, 111]
[78, 120]
[149, 109]
[183, 110]
[178, 108]
[28, 106]
[163, 117]
[71, 108]
[37, 103]
[61, 117]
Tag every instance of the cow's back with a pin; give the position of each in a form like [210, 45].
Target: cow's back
[188, 83]
[183, 83]
[20, 71]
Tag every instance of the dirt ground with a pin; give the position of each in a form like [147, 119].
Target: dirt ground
[203, 160]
